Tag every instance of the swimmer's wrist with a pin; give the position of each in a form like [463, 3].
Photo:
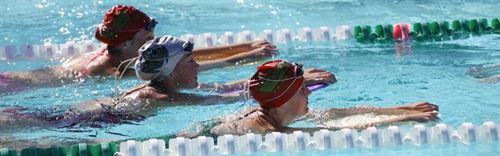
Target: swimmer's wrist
[245, 46]
[231, 60]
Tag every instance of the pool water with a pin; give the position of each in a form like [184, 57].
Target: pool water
[370, 74]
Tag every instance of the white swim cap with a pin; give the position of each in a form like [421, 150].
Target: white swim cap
[158, 57]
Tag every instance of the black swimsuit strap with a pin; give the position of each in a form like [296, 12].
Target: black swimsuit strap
[247, 114]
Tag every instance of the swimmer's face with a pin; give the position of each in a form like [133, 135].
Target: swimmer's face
[186, 71]
[142, 37]
[299, 102]
[133, 45]
[304, 93]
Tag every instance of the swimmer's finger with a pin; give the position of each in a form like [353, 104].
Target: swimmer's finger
[261, 43]
[431, 107]
[269, 47]
[328, 77]
[436, 107]
[433, 115]
[271, 51]
[272, 46]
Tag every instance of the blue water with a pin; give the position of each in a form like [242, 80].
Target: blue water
[371, 74]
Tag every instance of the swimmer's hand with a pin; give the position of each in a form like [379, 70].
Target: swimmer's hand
[491, 80]
[422, 106]
[259, 44]
[419, 117]
[315, 76]
[259, 51]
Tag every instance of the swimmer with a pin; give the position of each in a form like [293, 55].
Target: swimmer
[486, 73]
[167, 63]
[124, 30]
[278, 87]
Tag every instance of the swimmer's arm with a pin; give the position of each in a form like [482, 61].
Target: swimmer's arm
[395, 120]
[101, 67]
[493, 79]
[239, 58]
[311, 76]
[189, 99]
[211, 64]
[402, 116]
[333, 113]
[232, 86]
[213, 99]
[492, 66]
[344, 112]
[234, 48]
[336, 113]
[480, 71]
[358, 126]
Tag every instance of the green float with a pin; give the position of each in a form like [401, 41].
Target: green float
[473, 27]
[435, 31]
[53, 151]
[495, 26]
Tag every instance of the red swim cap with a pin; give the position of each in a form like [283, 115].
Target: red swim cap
[120, 24]
[275, 82]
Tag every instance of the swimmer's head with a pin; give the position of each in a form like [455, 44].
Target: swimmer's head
[167, 56]
[121, 23]
[277, 82]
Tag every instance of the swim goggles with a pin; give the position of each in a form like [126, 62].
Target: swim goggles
[155, 54]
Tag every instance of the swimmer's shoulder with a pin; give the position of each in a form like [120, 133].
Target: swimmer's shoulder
[101, 66]
[94, 105]
[234, 127]
[241, 126]
[144, 91]
[92, 63]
